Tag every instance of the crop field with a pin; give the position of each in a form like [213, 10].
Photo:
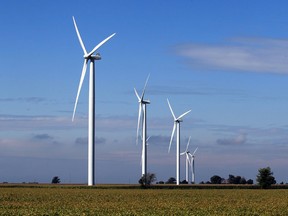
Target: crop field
[110, 201]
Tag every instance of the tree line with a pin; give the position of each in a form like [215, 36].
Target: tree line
[264, 179]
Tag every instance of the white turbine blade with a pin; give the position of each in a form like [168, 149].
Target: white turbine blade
[182, 153]
[181, 116]
[188, 143]
[195, 151]
[171, 109]
[99, 45]
[187, 158]
[80, 86]
[147, 140]
[138, 124]
[79, 37]
[172, 135]
[142, 156]
[142, 96]
[137, 95]
[191, 164]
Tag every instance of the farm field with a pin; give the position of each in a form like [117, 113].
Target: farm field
[114, 201]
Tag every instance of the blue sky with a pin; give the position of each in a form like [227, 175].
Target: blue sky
[225, 60]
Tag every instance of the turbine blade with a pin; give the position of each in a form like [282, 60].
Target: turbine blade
[181, 116]
[79, 37]
[138, 124]
[142, 96]
[182, 153]
[172, 135]
[188, 143]
[147, 139]
[187, 158]
[99, 45]
[80, 86]
[171, 109]
[191, 164]
[137, 95]
[195, 151]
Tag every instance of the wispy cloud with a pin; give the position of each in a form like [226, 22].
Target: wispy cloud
[159, 140]
[42, 137]
[238, 140]
[36, 122]
[23, 99]
[84, 140]
[241, 54]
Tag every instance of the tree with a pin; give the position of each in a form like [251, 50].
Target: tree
[249, 181]
[55, 180]
[265, 177]
[171, 180]
[235, 179]
[231, 179]
[184, 182]
[215, 179]
[147, 179]
[243, 181]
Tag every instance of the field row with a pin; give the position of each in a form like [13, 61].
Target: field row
[80, 201]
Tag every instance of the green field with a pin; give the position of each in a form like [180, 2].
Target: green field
[69, 200]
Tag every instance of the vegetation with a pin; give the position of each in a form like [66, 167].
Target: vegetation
[265, 178]
[215, 179]
[55, 180]
[171, 180]
[147, 179]
[81, 200]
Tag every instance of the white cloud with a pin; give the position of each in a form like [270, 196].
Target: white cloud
[248, 54]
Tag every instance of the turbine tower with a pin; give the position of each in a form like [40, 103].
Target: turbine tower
[193, 165]
[186, 153]
[177, 127]
[142, 113]
[91, 115]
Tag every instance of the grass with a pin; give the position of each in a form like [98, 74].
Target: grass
[105, 200]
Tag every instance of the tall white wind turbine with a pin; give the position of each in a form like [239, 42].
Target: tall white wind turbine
[142, 113]
[186, 153]
[193, 165]
[91, 115]
[177, 127]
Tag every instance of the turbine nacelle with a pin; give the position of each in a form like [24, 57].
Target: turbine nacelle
[145, 101]
[97, 56]
[179, 120]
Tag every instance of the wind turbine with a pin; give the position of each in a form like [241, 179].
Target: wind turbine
[193, 165]
[187, 159]
[91, 116]
[142, 116]
[177, 127]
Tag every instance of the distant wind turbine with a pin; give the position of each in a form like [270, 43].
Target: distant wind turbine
[176, 126]
[193, 165]
[188, 162]
[142, 113]
[91, 116]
